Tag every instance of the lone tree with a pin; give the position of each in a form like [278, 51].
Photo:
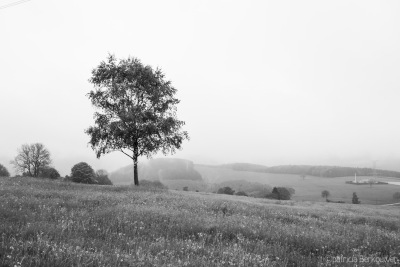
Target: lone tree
[355, 200]
[3, 171]
[136, 111]
[32, 159]
[325, 194]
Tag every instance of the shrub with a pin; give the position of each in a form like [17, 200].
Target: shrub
[396, 195]
[49, 172]
[281, 193]
[82, 173]
[355, 199]
[241, 193]
[3, 171]
[185, 188]
[226, 190]
[101, 177]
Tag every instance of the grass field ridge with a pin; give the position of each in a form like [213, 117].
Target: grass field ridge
[54, 223]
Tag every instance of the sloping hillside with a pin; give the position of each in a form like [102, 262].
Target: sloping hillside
[54, 223]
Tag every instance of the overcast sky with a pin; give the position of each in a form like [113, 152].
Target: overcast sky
[268, 82]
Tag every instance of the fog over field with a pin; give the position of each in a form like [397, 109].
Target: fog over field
[264, 82]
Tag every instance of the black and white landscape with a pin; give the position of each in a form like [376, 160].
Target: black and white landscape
[199, 133]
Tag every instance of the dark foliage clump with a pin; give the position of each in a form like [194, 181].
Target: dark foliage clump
[101, 177]
[226, 190]
[281, 193]
[50, 173]
[4, 172]
[355, 199]
[82, 173]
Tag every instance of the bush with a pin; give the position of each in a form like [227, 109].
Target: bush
[355, 199]
[3, 171]
[226, 190]
[102, 177]
[396, 195]
[82, 173]
[281, 193]
[49, 172]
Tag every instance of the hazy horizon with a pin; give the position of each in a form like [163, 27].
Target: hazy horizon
[261, 82]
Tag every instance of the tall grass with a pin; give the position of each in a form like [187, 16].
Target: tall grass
[51, 223]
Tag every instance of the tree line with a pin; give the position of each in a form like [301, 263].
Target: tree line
[34, 160]
[279, 193]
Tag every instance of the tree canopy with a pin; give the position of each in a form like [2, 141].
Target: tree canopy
[49, 172]
[31, 159]
[82, 173]
[226, 190]
[136, 111]
[281, 193]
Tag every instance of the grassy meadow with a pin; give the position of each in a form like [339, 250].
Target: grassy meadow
[55, 223]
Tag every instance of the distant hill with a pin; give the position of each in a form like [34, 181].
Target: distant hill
[311, 170]
[158, 170]
[244, 167]
[330, 171]
[172, 170]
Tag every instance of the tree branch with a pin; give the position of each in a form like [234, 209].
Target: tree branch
[126, 154]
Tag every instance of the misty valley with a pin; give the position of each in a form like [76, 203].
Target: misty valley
[376, 187]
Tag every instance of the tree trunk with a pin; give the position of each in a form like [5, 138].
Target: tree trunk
[135, 171]
[135, 163]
